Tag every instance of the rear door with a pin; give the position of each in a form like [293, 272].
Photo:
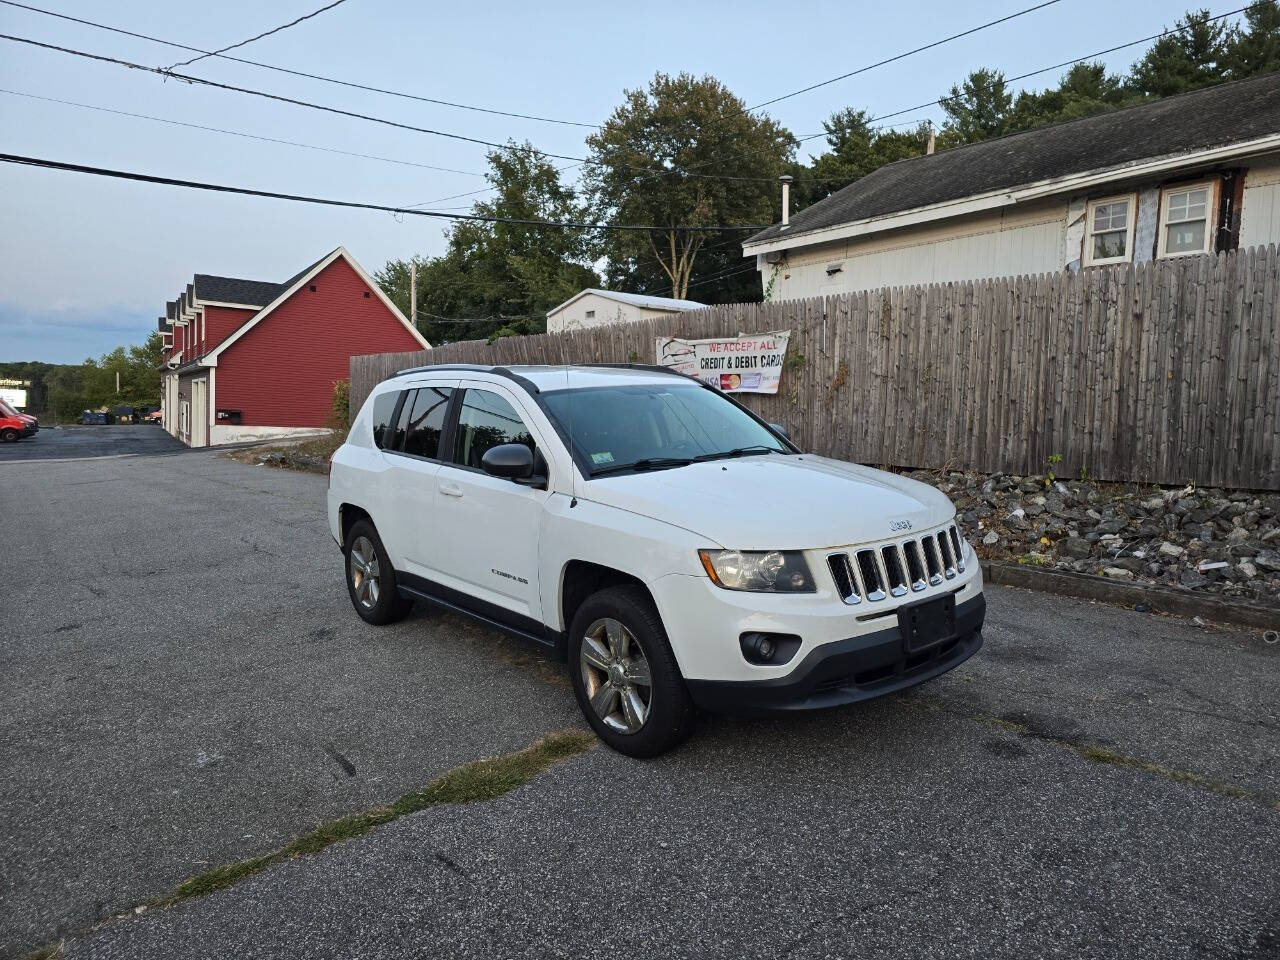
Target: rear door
[491, 524]
[412, 451]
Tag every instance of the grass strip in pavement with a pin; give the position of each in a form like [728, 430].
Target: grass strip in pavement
[472, 783]
[1105, 755]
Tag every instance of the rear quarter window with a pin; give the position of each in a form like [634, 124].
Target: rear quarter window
[384, 405]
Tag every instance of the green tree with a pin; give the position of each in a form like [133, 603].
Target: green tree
[855, 149]
[1084, 90]
[644, 166]
[1190, 58]
[1255, 49]
[501, 277]
[978, 108]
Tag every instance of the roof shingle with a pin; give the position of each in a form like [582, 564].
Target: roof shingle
[251, 293]
[1228, 113]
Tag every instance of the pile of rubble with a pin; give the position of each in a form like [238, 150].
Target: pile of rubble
[1209, 541]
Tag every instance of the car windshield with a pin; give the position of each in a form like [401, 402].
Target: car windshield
[656, 425]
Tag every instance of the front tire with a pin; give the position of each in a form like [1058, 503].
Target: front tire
[625, 676]
[8, 435]
[371, 580]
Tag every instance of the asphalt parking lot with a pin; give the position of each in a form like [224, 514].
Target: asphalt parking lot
[186, 686]
[109, 440]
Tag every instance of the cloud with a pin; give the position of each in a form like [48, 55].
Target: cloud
[69, 334]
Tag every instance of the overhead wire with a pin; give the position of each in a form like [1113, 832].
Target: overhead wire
[356, 205]
[240, 133]
[296, 73]
[265, 33]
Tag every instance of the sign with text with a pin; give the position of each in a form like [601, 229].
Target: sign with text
[14, 397]
[742, 364]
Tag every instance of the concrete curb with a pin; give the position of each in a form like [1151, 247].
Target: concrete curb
[1159, 599]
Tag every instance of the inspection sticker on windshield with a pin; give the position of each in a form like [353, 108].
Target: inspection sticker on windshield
[598, 458]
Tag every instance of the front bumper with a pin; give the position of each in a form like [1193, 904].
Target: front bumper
[846, 671]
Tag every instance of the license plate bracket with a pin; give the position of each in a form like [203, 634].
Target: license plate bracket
[927, 623]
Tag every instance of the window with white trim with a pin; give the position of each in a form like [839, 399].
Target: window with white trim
[1185, 213]
[1109, 230]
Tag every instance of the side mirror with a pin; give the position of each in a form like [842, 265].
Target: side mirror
[514, 461]
[780, 430]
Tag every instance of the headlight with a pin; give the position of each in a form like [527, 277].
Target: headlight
[759, 571]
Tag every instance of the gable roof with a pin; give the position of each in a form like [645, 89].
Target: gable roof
[1230, 113]
[249, 293]
[636, 300]
[295, 283]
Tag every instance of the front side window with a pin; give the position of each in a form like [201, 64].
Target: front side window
[423, 421]
[1110, 230]
[651, 426]
[384, 407]
[1185, 227]
[486, 420]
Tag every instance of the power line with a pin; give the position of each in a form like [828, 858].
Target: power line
[863, 69]
[295, 73]
[239, 133]
[1023, 76]
[1068, 63]
[903, 56]
[265, 33]
[102, 58]
[351, 204]
[280, 98]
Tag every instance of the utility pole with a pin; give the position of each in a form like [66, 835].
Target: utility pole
[117, 381]
[413, 292]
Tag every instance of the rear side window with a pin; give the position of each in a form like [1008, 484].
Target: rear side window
[486, 420]
[384, 406]
[423, 421]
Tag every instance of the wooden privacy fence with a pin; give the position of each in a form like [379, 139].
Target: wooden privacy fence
[1164, 372]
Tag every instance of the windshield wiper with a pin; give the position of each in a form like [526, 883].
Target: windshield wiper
[738, 452]
[647, 463]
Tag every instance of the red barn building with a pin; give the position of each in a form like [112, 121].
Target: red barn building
[247, 360]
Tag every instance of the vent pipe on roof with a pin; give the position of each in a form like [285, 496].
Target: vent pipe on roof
[786, 180]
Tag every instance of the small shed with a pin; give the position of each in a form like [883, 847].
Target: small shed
[595, 308]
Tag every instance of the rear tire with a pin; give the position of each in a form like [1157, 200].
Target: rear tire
[625, 676]
[8, 435]
[371, 580]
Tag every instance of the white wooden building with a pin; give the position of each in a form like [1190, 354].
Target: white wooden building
[594, 308]
[1189, 174]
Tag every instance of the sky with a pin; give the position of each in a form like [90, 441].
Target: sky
[86, 264]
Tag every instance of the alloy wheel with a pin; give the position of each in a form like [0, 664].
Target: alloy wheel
[364, 572]
[615, 673]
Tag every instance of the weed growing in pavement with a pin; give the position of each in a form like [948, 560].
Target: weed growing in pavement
[472, 783]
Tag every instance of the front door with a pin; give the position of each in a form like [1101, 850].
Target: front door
[199, 413]
[490, 525]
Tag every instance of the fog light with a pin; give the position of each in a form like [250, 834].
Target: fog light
[769, 648]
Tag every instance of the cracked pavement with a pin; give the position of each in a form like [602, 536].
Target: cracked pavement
[186, 686]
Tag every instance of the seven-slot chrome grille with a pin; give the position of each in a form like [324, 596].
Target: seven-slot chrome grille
[896, 569]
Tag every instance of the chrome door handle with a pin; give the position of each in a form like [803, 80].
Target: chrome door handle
[450, 490]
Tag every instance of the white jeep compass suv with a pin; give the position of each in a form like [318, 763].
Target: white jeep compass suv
[675, 549]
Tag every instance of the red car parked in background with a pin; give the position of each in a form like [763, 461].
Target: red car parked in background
[15, 425]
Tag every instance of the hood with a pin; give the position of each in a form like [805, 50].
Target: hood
[801, 502]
